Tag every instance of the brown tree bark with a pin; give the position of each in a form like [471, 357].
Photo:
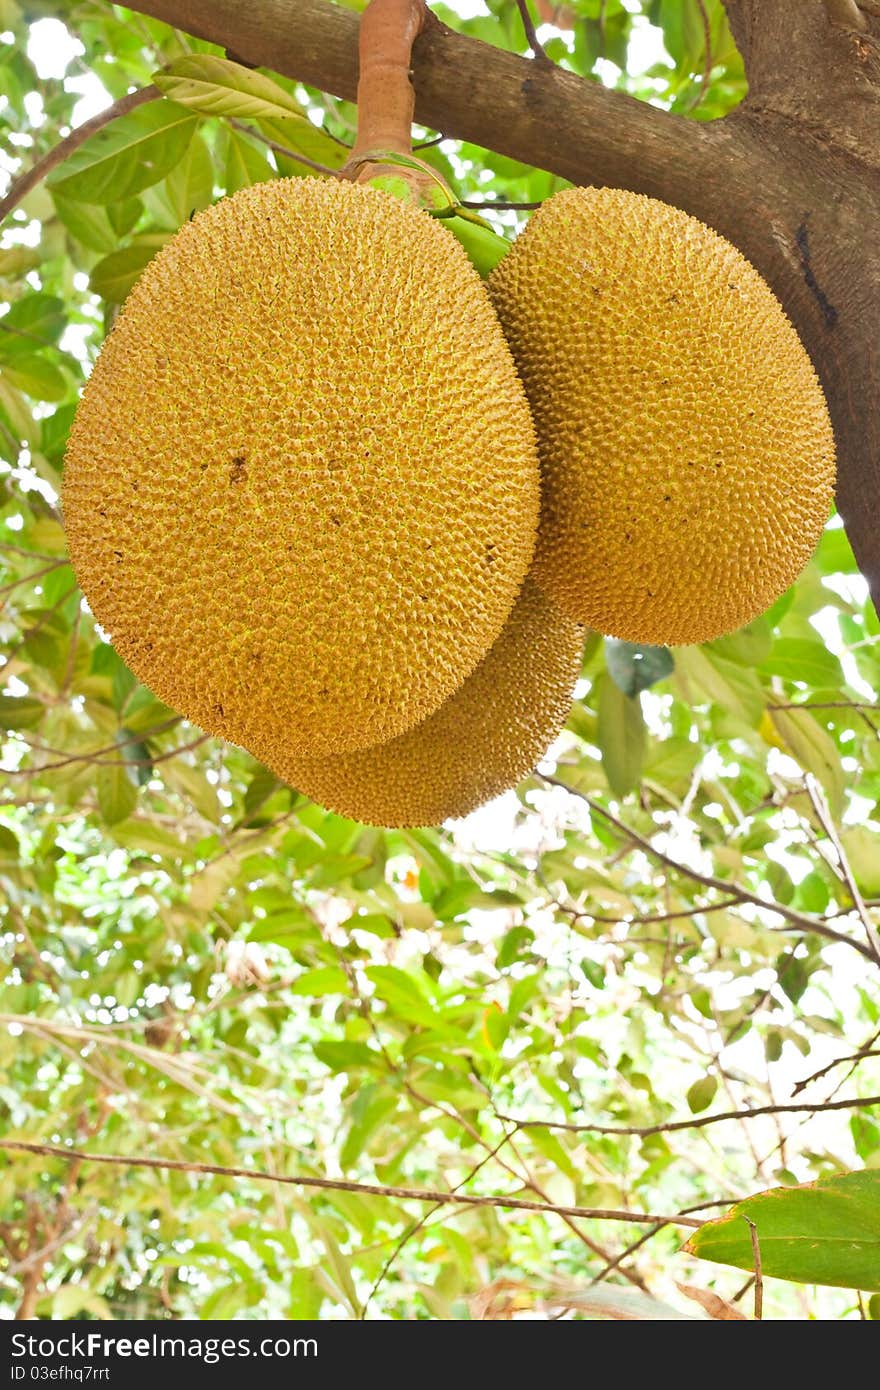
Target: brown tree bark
[792, 177]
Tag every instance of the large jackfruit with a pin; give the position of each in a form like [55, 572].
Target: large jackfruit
[484, 740]
[301, 489]
[686, 451]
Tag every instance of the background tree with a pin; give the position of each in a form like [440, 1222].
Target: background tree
[673, 922]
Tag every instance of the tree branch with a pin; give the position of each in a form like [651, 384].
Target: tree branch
[762, 177]
[534, 112]
[31, 177]
[645, 1131]
[410, 1194]
[845, 14]
[798, 920]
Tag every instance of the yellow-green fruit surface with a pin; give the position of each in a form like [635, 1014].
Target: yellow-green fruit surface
[483, 741]
[687, 456]
[301, 489]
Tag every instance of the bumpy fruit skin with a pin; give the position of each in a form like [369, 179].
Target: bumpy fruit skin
[301, 489]
[686, 451]
[483, 741]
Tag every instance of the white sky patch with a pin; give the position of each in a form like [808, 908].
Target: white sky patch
[94, 97]
[52, 48]
[645, 47]
[33, 105]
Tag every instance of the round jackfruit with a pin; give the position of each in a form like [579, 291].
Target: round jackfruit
[483, 741]
[301, 489]
[686, 451]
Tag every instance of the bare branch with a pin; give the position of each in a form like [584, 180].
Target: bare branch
[707, 57]
[799, 920]
[759, 1280]
[532, 39]
[281, 149]
[413, 1194]
[644, 1131]
[823, 813]
[23, 185]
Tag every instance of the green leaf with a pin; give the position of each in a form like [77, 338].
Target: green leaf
[621, 736]
[826, 1232]
[18, 260]
[635, 668]
[814, 749]
[128, 155]
[339, 1056]
[327, 979]
[114, 276]
[701, 1094]
[801, 659]
[861, 845]
[190, 185]
[217, 86]
[37, 320]
[305, 139]
[10, 849]
[246, 163]
[36, 377]
[117, 792]
[20, 712]
[87, 223]
[703, 675]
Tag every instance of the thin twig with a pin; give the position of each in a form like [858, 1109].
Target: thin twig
[409, 1194]
[532, 39]
[708, 61]
[759, 1279]
[282, 149]
[28, 180]
[415, 1226]
[497, 205]
[35, 574]
[699, 1122]
[796, 919]
[823, 813]
[866, 1050]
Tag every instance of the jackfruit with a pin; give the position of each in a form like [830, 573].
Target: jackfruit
[301, 489]
[687, 456]
[482, 741]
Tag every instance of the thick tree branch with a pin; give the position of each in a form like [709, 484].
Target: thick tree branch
[534, 112]
[792, 178]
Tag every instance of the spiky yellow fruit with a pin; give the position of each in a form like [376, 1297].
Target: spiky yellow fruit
[301, 490]
[481, 742]
[686, 451]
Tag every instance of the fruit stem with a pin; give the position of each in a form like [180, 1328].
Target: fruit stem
[385, 96]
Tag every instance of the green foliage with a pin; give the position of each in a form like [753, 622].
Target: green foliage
[822, 1233]
[200, 965]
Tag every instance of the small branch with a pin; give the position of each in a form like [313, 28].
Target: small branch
[708, 61]
[34, 575]
[644, 1131]
[532, 39]
[499, 205]
[23, 185]
[796, 919]
[823, 813]
[845, 14]
[410, 1194]
[281, 149]
[855, 1057]
[759, 1280]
